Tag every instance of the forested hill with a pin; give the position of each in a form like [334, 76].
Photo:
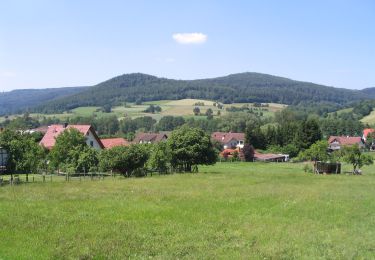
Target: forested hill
[20, 100]
[243, 87]
[369, 92]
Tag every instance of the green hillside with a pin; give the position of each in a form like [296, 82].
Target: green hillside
[17, 101]
[239, 88]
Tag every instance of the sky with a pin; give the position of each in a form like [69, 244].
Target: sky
[60, 43]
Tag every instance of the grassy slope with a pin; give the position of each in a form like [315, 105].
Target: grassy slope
[228, 210]
[370, 119]
[182, 107]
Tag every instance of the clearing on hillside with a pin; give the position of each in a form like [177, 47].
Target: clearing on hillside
[183, 107]
[370, 119]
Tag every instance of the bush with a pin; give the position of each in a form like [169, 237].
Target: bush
[128, 160]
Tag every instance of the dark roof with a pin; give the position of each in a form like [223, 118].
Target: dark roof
[227, 137]
[268, 156]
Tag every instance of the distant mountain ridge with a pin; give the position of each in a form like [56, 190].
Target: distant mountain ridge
[369, 91]
[18, 101]
[241, 87]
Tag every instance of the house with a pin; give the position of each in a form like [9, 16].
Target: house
[229, 140]
[92, 139]
[336, 142]
[109, 143]
[148, 138]
[366, 132]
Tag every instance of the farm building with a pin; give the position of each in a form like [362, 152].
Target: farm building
[148, 138]
[270, 157]
[109, 143]
[229, 140]
[336, 142]
[53, 131]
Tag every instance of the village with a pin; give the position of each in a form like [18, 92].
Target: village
[187, 129]
[229, 146]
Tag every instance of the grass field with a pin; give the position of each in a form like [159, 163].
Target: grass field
[230, 210]
[370, 119]
[183, 107]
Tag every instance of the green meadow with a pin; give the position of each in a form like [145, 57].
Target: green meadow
[183, 107]
[226, 211]
[370, 119]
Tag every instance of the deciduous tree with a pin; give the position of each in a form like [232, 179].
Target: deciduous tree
[190, 147]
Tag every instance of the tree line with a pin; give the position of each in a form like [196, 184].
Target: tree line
[184, 151]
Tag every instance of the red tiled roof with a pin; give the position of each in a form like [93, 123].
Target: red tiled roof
[49, 139]
[226, 137]
[367, 131]
[345, 140]
[112, 142]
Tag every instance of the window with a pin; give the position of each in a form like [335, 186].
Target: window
[91, 143]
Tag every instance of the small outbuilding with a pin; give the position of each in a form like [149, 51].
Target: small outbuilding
[327, 167]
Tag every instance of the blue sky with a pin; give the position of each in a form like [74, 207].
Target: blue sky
[60, 43]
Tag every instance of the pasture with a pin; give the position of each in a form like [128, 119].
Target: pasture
[229, 210]
[370, 119]
[183, 107]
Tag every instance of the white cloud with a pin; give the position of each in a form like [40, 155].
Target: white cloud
[190, 38]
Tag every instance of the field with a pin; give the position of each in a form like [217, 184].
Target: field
[370, 119]
[182, 107]
[230, 210]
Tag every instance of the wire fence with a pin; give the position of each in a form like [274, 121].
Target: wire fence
[16, 179]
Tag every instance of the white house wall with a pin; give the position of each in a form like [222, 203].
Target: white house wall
[234, 143]
[91, 138]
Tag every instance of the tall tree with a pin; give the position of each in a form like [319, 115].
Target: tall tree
[190, 147]
[196, 111]
[255, 137]
[248, 152]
